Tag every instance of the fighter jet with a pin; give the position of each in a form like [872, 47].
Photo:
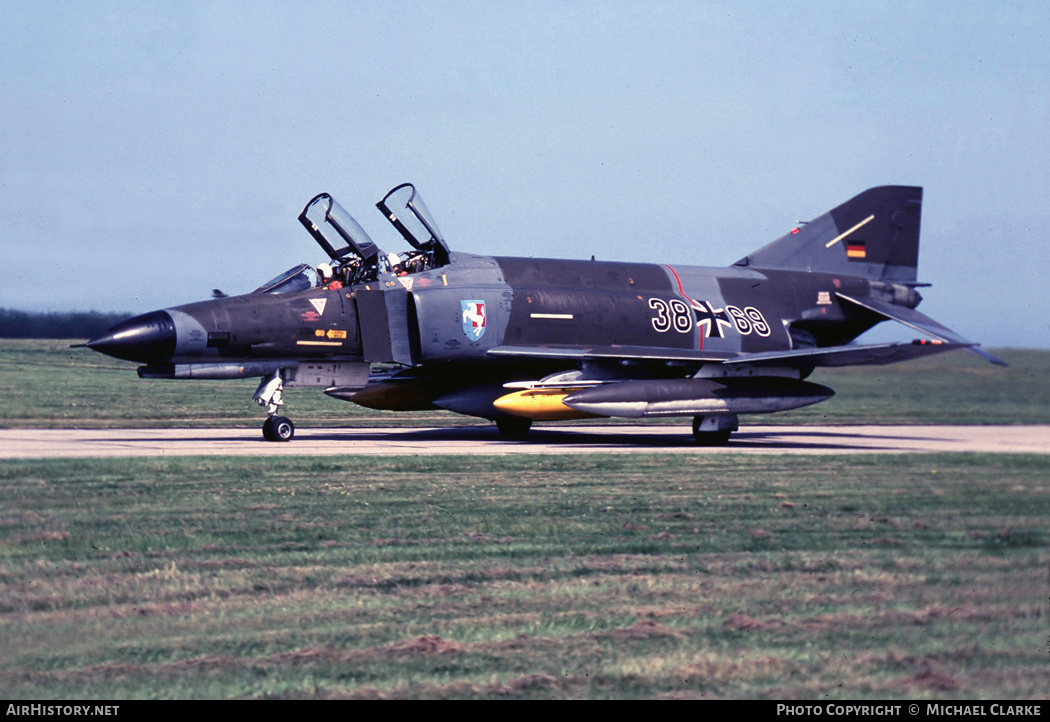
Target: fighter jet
[518, 340]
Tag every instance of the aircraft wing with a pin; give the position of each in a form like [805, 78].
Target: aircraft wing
[864, 355]
[639, 353]
[921, 322]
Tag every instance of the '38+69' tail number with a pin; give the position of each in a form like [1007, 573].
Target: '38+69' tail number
[676, 314]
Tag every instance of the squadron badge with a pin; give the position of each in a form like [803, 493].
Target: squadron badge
[473, 319]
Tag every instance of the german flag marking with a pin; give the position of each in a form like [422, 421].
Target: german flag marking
[856, 250]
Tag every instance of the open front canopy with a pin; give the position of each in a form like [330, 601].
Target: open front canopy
[335, 230]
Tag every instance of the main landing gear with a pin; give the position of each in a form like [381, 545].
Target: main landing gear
[513, 427]
[714, 430]
[270, 394]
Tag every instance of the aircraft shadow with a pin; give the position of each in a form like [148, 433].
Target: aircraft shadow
[609, 437]
[422, 440]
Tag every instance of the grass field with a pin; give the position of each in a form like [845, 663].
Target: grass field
[46, 384]
[526, 577]
[619, 576]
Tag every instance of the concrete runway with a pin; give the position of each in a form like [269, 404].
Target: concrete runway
[550, 439]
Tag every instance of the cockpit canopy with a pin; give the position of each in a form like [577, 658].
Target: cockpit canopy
[335, 230]
[355, 257]
[299, 278]
[417, 225]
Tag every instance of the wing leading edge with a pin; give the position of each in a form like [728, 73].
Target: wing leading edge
[585, 353]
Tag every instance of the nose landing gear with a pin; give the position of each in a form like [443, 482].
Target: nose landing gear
[270, 394]
[278, 428]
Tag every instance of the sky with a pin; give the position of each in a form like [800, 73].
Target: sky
[151, 152]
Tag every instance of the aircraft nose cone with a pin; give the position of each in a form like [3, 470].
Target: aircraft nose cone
[148, 339]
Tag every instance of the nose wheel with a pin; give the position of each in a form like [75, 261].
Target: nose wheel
[278, 428]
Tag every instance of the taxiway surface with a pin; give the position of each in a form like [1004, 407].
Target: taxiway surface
[575, 439]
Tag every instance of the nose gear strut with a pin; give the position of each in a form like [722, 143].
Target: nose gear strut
[271, 395]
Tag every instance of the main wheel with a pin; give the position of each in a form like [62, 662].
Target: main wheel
[712, 438]
[268, 429]
[712, 435]
[513, 427]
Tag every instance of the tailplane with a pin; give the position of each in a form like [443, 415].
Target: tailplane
[874, 235]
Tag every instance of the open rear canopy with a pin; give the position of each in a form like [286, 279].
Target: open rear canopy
[405, 209]
[335, 230]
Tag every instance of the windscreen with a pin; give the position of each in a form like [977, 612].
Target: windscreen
[299, 278]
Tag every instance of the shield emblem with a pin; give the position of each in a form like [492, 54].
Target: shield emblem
[473, 319]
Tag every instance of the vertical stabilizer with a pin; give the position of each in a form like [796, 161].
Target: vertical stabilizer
[874, 235]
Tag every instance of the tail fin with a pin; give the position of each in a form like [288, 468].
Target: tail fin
[874, 235]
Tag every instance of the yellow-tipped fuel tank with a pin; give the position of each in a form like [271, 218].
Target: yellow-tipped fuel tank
[539, 405]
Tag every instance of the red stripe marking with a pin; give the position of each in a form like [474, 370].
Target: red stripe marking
[691, 302]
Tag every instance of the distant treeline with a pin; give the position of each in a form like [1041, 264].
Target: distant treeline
[71, 324]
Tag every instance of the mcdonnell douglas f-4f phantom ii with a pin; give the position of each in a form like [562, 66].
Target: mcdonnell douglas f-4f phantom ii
[517, 340]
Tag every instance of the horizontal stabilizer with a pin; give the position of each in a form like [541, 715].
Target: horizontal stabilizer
[868, 355]
[640, 353]
[921, 322]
